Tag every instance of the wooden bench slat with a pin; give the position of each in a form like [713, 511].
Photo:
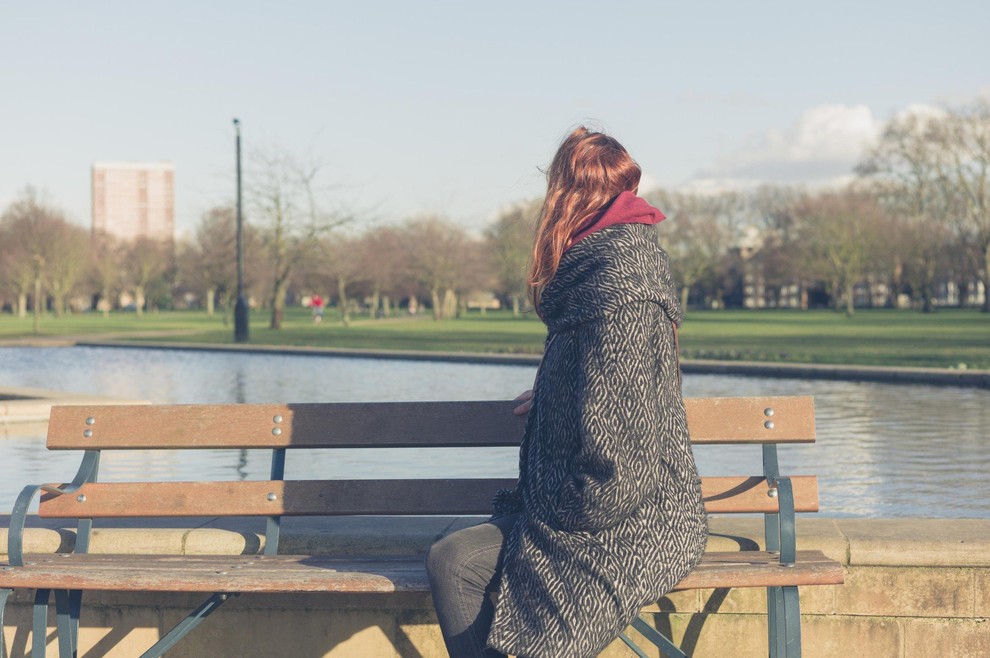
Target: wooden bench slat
[299, 573]
[736, 495]
[384, 424]
[280, 497]
[341, 497]
[330, 425]
[743, 420]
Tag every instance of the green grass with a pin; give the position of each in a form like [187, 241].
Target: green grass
[943, 339]
[880, 337]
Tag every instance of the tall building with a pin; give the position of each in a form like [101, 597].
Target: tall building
[134, 199]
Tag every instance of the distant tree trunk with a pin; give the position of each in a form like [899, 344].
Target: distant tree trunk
[58, 304]
[515, 305]
[210, 293]
[986, 279]
[437, 308]
[386, 306]
[227, 304]
[833, 287]
[37, 304]
[449, 303]
[22, 305]
[139, 300]
[850, 306]
[345, 313]
[278, 302]
[376, 297]
[685, 295]
[927, 303]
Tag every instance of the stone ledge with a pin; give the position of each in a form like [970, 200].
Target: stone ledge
[853, 542]
[33, 405]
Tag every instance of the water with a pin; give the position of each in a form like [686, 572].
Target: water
[882, 450]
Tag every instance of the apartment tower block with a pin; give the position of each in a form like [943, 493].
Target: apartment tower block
[134, 199]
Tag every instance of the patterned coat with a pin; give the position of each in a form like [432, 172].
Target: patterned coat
[610, 500]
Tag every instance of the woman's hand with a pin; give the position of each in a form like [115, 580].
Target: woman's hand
[526, 403]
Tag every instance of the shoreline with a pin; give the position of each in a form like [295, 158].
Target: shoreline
[883, 374]
[779, 370]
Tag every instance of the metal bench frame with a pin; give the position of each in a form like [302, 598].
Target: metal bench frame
[68, 603]
[783, 607]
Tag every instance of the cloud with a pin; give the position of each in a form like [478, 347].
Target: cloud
[820, 148]
[922, 111]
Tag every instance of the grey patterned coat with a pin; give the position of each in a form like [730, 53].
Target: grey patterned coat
[610, 499]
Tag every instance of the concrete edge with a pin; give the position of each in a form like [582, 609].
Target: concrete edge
[33, 405]
[853, 542]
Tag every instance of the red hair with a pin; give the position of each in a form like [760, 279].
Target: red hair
[588, 171]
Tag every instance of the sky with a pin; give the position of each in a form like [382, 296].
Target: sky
[451, 108]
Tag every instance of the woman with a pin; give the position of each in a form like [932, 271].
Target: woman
[607, 515]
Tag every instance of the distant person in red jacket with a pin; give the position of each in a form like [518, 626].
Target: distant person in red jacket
[317, 303]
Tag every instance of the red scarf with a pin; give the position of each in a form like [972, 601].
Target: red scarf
[627, 208]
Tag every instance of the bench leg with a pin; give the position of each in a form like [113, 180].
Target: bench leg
[629, 643]
[4, 593]
[783, 622]
[184, 627]
[792, 623]
[67, 605]
[39, 626]
[775, 617]
[658, 639]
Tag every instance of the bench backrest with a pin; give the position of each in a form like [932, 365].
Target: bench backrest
[766, 420]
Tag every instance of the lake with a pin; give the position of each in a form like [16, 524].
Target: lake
[883, 450]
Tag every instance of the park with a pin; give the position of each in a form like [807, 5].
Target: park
[360, 330]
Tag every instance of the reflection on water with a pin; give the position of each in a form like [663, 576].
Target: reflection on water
[882, 450]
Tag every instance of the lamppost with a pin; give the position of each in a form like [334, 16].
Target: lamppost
[241, 307]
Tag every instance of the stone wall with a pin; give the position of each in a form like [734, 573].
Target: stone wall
[914, 588]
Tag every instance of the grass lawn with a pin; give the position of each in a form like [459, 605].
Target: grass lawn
[877, 337]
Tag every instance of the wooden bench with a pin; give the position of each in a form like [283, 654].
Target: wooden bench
[765, 421]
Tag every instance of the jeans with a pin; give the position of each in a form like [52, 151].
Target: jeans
[464, 569]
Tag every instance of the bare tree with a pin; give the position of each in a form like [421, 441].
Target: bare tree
[209, 263]
[106, 263]
[907, 171]
[779, 257]
[289, 202]
[16, 272]
[510, 240]
[438, 251]
[967, 172]
[698, 236]
[382, 257]
[147, 263]
[69, 254]
[840, 236]
[340, 263]
[28, 225]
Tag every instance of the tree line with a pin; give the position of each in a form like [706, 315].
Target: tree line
[912, 227]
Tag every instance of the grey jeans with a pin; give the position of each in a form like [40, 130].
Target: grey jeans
[464, 569]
